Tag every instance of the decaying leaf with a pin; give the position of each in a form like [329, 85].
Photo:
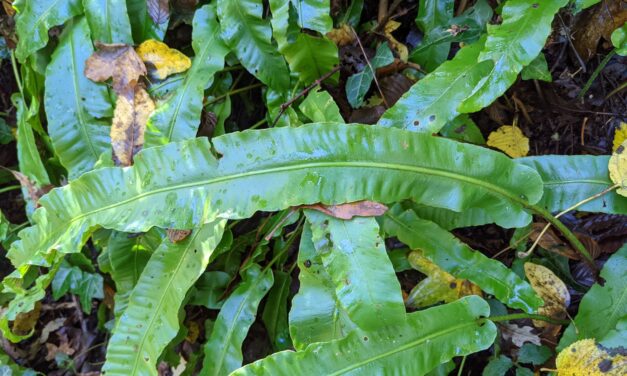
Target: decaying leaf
[129, 123]
[596, 23]
[519, 335]
[51, 327]
[34, 192]
[439, 286]
[618, 168]
[8, 7]
[63, 348]
[587, 358]
[162, 60]
[25, 322]
[620, 135]
[509, 139]
[552, 242]
[399, 47]
[119, 62]
[342, 36]
[176, 236]
[159, 10]
[348, 211]
[551, 289]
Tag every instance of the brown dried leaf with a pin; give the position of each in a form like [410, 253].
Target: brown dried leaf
[552, 242]
[162, 60]
[129, 123]
[353, 209]
[63, 348]
[342, 36]
[551, 289]
[159, 10]
[519, 335]
[34, 192]
[596, 23]
[176, 236]
[51, 326]
[25, 322]
[8, 7]
[119, 62]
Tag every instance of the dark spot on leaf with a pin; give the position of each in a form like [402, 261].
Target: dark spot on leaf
[605, 365]
[620, 149]
[432, 118]
[416, 122]
[365, 338]
[453, 285]
[307, 263]
[460, 129]
[535, 6]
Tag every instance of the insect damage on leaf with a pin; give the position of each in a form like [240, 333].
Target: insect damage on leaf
[586, 358]
[551, 289]
[348, 211]
[162, 60]
[618, 168]
[510, 140]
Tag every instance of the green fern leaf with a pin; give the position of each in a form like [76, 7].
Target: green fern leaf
[108, 21]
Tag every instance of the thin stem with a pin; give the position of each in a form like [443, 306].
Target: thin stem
[17, 75]
[287, 245]
[232, 68]
[233, 92]
[519, 316]
[618, 89]
[2, 113]
[9, 188]
[461, 366]
[374, 72]
[259, 123]
[573, 207]
[596, 72]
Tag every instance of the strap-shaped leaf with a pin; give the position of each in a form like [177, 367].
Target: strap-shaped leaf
[310, 57]
[172, 186]
[151, 321]
[433, 101]
[413, 347]
[316, 315]
[178, 117]
[75, 105]
[449, 219]
[249, 36]
[275, 312]
[354, 256]
[455, 257]
[603, 307]
[126, 257]
[571, 179]
[314, 15]
[223, 350]
[108, 21]
[512, 45]
[37, 17]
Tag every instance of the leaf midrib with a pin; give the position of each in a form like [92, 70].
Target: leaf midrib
[403, 348]
[389, 166]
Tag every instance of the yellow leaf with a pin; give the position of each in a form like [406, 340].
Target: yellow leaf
[439, 286]
[129, 123]
[551, 289]
[509, 139]
[165, 60]
[342, 36]
[618, 168]
[586, 358]
[392, 25]
[620, 135]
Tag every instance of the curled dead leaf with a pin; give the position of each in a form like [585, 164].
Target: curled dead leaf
[552, 242]
[25, 322]
[34, 192]
[509, 139]
[348, 211]
[587, 358]
[119, 62]
[400, 48]
[551, 289]
[162, 60]
[342, 36]
[596, 23]
[129, 124]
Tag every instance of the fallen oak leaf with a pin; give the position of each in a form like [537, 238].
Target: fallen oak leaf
[348, 211]
[510, 140]
[119, 62]
[519, 335]
[129, 125]
[587, 358]
[551, 289]
[162, 60]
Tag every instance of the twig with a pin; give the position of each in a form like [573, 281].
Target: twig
[519, 316]
[461, 8]
[618, 89]
[233, 92]
[9, 188]
[572, 46]
[79, 313]
[374, 73]
[383, 11]
[461, 366]
[317, 82]
[548, 225]
[583, 129]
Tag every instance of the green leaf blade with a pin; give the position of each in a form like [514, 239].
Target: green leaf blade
[428, 338]
[108, 21]
[75, 109]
